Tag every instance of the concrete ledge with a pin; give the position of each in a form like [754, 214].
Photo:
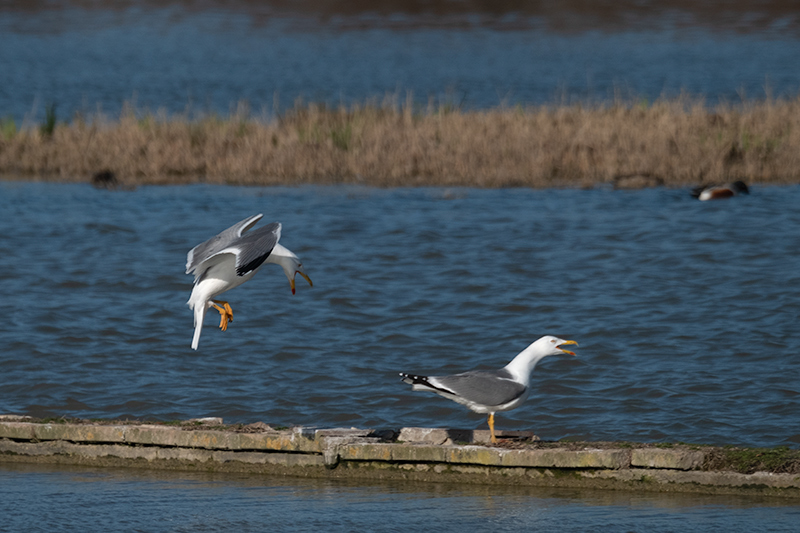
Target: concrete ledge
[359, 453]
[166, 436]
[453, 436]
[671, 459]
[757, 480]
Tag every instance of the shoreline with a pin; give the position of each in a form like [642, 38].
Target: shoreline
[673, 143]
[424, 455]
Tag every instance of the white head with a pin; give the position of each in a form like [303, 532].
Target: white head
[549, 345]
[289, 262]
[522, 365]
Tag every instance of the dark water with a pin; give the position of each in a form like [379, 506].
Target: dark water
[91, 57]
[78, 499]
[686, 312]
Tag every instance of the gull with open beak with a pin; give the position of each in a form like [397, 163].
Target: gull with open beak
[490, 391]
[228, 260]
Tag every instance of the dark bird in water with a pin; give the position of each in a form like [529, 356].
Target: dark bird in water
[717, 192]
[105, 179]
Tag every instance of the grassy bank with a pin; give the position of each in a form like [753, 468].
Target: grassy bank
[675, 142]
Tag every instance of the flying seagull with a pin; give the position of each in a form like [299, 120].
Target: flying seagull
[228, 260]
[490, 391]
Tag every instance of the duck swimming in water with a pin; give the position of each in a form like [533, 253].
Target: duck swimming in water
[717, 192]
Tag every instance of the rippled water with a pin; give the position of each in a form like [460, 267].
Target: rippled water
[178, 57]
[34, 498]
[686, 312]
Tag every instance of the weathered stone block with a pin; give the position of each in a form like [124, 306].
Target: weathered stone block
[18, 430]
[366, 452]
[426, 435]
[80, 433]
[564, 458]
[210, 440]
[418, 453]
[152, 435]
[265, 441]
[666, 458]
[450, 436]
[478, 455]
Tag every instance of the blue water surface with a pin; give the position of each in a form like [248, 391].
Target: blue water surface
[686, 312]
[37, 498]
[176, 59]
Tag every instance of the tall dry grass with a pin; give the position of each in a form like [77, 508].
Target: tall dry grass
[673, 142]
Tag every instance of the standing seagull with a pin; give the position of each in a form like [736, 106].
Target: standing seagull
[489, 391]
[228, 260]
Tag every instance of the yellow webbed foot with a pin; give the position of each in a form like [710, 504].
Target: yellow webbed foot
[225, 313]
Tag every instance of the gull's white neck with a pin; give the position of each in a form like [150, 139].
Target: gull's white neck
[279, 252]
[522, 365]
[284, 257]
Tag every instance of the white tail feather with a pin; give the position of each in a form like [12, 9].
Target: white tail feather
[199, 315]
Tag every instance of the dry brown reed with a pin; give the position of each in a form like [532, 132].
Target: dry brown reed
[674, 142]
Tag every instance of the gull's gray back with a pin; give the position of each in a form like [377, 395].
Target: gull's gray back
[485, 387]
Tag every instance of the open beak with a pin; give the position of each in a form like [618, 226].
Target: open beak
[564, 344]
[291, 281]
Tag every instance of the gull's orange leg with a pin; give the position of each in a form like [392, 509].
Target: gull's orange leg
[225, 313]
[491, 428]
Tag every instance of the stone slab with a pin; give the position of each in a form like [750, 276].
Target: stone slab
[667, 458]
[166, 436]
[565, 458]
[344, 452]
[456, 436]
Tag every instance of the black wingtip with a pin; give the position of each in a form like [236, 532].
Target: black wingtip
[413, 379]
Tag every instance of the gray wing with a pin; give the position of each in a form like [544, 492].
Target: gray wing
[216, 244]
[485, 387]
[253, 249]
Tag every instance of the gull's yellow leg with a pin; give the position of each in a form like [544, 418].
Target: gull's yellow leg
[225, 313]
[491, 428]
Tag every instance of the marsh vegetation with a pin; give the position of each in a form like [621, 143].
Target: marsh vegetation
[672, 142]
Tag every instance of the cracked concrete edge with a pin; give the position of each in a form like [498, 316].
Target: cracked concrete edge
[667, 459]
[703, 478]
[481, 455]
[351, 444]
[420, 435]
[342, 446]
[165, 436]
[315, 465]
[333, 444]
[100, 453]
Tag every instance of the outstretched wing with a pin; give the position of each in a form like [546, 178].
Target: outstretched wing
[252, 250]
[218, 243]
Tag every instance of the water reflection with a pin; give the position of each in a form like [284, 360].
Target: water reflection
[33, 498]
